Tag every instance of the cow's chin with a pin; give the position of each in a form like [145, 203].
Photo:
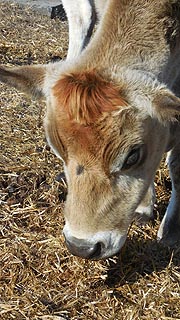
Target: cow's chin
[98, 246]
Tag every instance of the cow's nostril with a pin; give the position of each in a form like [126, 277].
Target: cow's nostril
[84, 249]
[97, 251]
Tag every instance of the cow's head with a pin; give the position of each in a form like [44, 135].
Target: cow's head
[111, 136]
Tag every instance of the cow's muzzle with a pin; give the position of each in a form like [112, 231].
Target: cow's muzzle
[84, 249]
[101, 245]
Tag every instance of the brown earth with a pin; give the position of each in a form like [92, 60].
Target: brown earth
[39, 279]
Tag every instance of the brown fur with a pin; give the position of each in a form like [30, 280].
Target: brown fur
[85, 96]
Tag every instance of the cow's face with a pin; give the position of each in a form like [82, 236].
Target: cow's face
[111, 147]
[109, 161]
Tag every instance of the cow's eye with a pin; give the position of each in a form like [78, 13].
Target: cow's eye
[132, 158]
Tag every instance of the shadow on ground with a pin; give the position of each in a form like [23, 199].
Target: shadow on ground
[140, 258]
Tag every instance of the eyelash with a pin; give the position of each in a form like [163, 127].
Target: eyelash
[132, 158]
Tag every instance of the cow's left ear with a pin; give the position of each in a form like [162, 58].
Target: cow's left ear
[28, 79]
[166, 105]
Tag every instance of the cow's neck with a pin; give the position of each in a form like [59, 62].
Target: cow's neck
[138, 40]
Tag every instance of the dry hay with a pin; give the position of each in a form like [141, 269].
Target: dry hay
[39, 279]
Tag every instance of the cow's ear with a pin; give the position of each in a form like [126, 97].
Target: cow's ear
[28, 79]
[167, 105]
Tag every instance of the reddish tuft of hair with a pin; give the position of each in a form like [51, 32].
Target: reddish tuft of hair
[85, 96]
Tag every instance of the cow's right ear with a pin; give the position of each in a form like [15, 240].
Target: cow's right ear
[28, 79]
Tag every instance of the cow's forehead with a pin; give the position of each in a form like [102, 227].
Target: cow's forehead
[91, 112]
[108, 134]
[85, 96]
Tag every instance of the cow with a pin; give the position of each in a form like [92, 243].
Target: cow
[112, 112]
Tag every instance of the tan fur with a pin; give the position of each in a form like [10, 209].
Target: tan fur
[28, 79]
[133, 33]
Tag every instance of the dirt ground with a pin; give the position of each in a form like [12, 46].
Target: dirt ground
[39, 278]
